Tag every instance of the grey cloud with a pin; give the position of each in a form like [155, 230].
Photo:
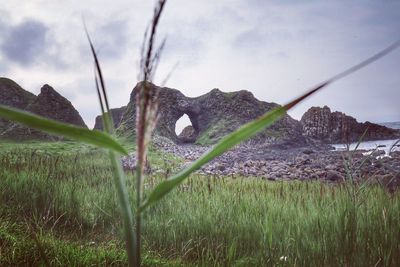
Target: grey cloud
[303, 39]
[111, 40]
[257, 37]
[25, 42]
[3, 69]
[249, 39]
[258, 3]
[79, 87]
[186, 41]
[29, 42]
[2, 24]
[113, 37]
[180, 46]
[4, 16]
[3, 66]
[382, 12]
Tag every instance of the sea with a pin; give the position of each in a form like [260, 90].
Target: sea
[393, 125]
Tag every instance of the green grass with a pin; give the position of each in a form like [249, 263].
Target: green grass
[51, 148]
[23, 245]
[68, 200]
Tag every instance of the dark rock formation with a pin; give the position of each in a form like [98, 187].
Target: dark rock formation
[337, 127]
[116, 114]
[172, 105]
[48, 104]
[188, 135]
[52, 105]
[213, 115]
[12, 95]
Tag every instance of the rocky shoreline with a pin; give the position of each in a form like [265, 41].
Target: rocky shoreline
[276, 164]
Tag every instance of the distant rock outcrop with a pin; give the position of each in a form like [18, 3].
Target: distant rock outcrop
[48, 104]
[116, 114]
[336, 127]
[213, 115]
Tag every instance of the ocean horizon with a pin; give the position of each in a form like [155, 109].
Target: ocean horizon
[392, 124]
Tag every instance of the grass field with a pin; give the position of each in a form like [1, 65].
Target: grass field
[58, 206]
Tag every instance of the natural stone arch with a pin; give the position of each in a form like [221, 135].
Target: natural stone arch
[213, 115]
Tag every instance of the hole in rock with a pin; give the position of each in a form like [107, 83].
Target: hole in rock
[185, 130]
[182, 123]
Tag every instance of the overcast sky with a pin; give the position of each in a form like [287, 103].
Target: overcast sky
[275, 49]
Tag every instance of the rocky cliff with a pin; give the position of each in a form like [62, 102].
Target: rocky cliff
[48, 104]
[12, 95]
[336, 127]
[116, 114]
[213, 115]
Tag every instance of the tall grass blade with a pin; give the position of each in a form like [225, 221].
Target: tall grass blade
[102, 94]
[361, 139]
[249, 130]
[146, 111]
[118, 174]
[92, 137]
[396, 143]
[122, 192]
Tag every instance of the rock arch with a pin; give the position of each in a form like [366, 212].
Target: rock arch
[213, 115]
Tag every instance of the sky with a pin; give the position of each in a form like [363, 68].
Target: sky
[275, 49]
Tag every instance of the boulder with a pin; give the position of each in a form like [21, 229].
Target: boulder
[334, 176]
[188, 135]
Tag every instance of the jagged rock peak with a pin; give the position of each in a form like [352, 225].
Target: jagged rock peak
[337, 127]
[13, 95]
[47, 89]
[50, 104]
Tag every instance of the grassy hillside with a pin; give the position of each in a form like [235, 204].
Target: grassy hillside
[58, 205]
